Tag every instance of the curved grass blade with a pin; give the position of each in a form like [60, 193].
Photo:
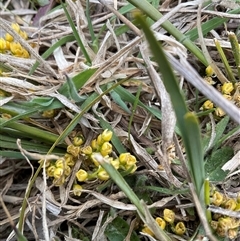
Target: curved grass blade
[76, 35]
[187, 122]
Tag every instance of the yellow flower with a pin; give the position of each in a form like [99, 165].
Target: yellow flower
[94, 144]
[58, 172]
[81, 175]
[87, 150]
[207, 105]
[217, 198]
[115, 163]
[161, 222]
[230, 204]
[23, 34]
[106, 148]
[96, 163]
[107, 135]
[15, 27]
[77, 189]
[219, 112]
[59, 181]
[168, 215]
[16, 49]
[180, 228]
[74, 150]
[103, 175]
[78, 140]
[100, 141]
[131, 160]
[67, 171]
[125, 158]
[227, 88]
[48, 113]
[209, 71]
[50, 171]
[148, 231]
[132, 167]
[232, 233]
[9, 37]
[69, 160]
[214, 224]
[25, 54]
[226, 223]
[60, 163]
[2, 44]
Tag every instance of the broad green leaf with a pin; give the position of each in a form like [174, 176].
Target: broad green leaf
[215, 162]
[118, 229]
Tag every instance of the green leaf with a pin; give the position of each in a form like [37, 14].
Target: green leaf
[215, 162]
[118, 229]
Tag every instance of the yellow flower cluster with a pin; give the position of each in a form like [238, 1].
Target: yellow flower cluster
[225, 226]
[60, 169]
[167, 220]
[91, 168]
[229, 91]
[9, 46]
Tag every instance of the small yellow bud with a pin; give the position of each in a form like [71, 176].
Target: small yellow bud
[232, 233]
[131, 160]
[161, 222]
[225, 223]
[230, 204]
[50, 171]
[77, 189]
[67, 171]
[2, 44]
[16, 49]
[23, 34]
[217, 198]
[15, 27]
[107, 135]
[9, 37]
[227, 88]
[132, 167]
[115, 163]
[106, 149]
[209, 71]
[207, 105]
[219, 112]
[87, 150]
[25, 54]
[180, 228]
[81, 175]
[124, 157]
[59, 181]
[58, 172]
[78, 140]
[168, 215]
[48, 113]
[6, 116]
[148, 231]
[69, 160]
[60, 163]
[103, 175]
[96, 163]
[94, 145]
[214, 224]
[74, 150]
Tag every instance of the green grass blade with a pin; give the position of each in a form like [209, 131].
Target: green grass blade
[48, 52]
[209, 25]
[76, 35]
[154, 14]
[187, 122]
